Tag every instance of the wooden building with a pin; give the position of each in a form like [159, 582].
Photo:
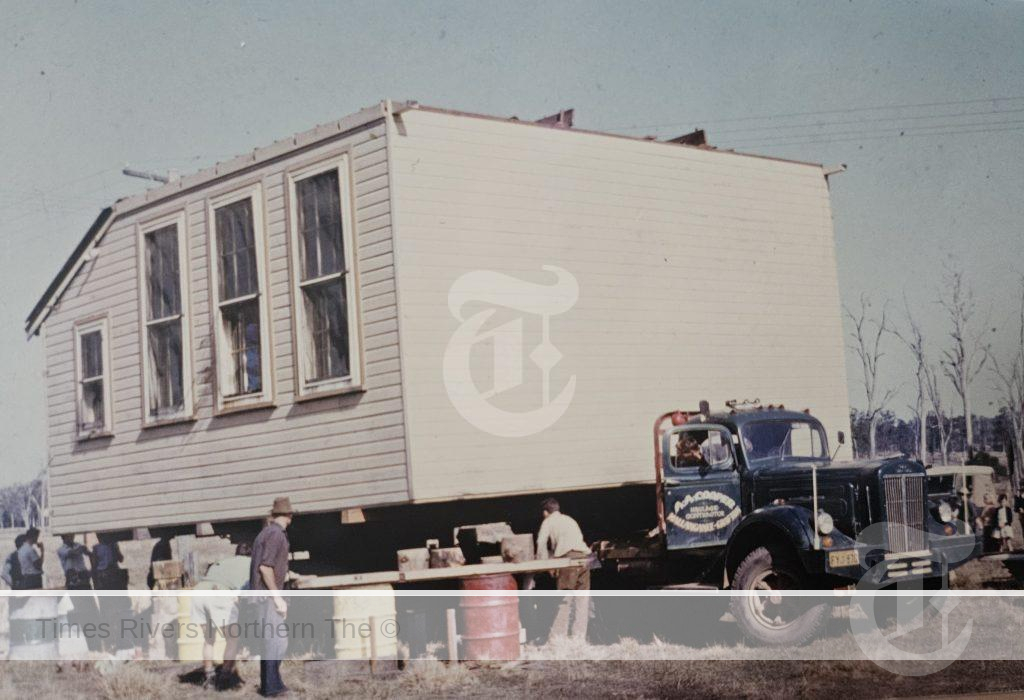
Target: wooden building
[413, 304]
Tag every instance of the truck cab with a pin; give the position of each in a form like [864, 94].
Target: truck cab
[749, 498]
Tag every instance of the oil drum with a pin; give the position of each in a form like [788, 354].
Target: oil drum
[490, 623]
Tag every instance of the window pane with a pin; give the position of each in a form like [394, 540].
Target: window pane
[320, 228]
[162, 272]
[326, 330]
[703, 449]
[237, 250]
[166, 391]
[92, 405]
[243, 366]
[92, 354]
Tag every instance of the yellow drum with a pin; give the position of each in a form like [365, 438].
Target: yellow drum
[364, 624]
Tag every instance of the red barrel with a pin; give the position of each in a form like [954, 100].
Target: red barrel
[490, 623]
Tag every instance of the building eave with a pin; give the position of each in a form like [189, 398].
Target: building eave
[59, 283]
[219, 171]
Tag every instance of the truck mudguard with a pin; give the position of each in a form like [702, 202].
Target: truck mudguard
[792, 523]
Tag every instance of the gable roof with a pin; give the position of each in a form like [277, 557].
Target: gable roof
[71, 265]
[219, 171]
[277, 150]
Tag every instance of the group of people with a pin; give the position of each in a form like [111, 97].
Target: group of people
[83, 567]
[98, 568]
[23, 568]
[995, 521]
[264, 571]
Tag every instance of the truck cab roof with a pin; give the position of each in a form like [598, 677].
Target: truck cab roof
[737, 419]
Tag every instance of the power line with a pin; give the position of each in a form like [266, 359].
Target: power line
[873, 132]
[810, 114]
[817, 125]
[876, 137]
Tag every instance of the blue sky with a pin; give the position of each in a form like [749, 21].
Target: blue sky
[90, 87]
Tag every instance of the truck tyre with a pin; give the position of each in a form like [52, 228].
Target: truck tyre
[775, 620]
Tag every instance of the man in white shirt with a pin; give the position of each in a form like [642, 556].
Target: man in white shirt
[559, 537]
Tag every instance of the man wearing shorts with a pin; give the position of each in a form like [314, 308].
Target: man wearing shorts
[220, 612]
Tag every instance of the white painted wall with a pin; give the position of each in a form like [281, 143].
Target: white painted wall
[702, 275]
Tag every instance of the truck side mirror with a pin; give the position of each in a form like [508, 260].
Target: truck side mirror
[842, 438]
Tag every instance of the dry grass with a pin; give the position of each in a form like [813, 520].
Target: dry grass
[850, 680]
[626, 669]
[135, 681]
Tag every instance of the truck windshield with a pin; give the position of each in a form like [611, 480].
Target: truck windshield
[783, 439]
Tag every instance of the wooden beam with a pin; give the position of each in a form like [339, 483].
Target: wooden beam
[453, 573]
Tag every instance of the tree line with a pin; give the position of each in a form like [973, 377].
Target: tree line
[23, 505]
[947, 370]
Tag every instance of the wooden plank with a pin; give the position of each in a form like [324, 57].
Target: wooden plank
[348, 580]
[421, 575]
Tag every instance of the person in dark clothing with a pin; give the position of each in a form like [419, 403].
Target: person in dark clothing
[268, 571]
[161, 552]
[108, 576]
[1018, 505]
[11, 574]
[986, 523]
[85, 611]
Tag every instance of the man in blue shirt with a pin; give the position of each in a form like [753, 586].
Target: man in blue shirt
[30, 560]
[267, 573]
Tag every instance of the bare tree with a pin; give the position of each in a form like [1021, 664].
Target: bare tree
[933, 389]
[1010, 386]
[965, 359]
[21, 504]
[867, 336]
[914, 340]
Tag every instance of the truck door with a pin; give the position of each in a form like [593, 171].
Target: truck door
[701, 486]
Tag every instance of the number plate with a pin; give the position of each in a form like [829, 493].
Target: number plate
[842, 558]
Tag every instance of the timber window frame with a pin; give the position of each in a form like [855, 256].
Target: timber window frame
[324, 279]
[93, 379]
[240, 296]
[165, 319]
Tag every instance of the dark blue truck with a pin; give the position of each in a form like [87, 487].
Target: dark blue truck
[750, 499]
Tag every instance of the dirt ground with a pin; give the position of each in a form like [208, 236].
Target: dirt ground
[569, 679]
[542, 676]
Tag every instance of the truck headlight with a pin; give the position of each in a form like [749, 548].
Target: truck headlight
[945, 512]
[825, 523]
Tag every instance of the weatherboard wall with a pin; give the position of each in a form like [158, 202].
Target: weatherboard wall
[327, 453]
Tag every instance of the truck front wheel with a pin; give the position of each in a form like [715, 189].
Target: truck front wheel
[766, 616]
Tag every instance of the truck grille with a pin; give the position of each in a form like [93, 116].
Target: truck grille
[904, 510]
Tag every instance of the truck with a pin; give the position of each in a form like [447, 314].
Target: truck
[749, 499]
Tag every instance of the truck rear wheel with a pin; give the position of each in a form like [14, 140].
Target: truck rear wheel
[767, 617]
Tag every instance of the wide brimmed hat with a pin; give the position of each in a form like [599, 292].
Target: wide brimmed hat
[282, 506]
